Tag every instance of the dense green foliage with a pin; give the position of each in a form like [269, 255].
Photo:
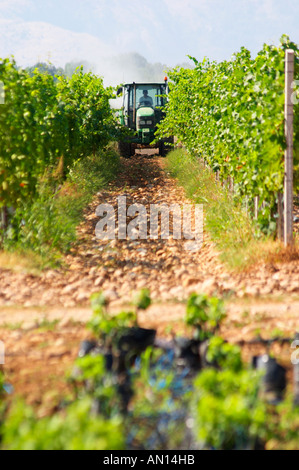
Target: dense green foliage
[44, 122]
[205, 314]
[231, 114]
[72, 429]
[54, 155]
[225, 355]
[228, 413]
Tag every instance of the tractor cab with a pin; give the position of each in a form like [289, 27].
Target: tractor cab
[141, 110]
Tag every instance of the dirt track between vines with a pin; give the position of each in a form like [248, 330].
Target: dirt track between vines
[39, 350]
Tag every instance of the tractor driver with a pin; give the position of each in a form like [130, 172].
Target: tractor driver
[145, 100]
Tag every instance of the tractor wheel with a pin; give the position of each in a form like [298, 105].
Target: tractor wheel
[162, 149]
[125, 149]
[164, 146]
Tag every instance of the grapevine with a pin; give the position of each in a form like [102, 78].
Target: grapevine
[231, 114]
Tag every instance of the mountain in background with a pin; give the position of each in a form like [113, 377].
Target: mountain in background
[35, 43]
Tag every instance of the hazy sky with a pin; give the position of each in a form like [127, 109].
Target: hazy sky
[161, 30]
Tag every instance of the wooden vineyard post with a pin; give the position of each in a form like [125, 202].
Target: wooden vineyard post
[3, 218]
[288, 159]
[231, 185]
[256, 207]
[280, 230]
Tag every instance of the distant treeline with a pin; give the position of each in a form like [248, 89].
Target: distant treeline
[69, 69]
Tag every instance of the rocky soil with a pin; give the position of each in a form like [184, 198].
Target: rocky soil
[264, 298]
[122, 266]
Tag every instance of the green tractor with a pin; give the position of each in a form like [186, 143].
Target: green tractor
[141, 112]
